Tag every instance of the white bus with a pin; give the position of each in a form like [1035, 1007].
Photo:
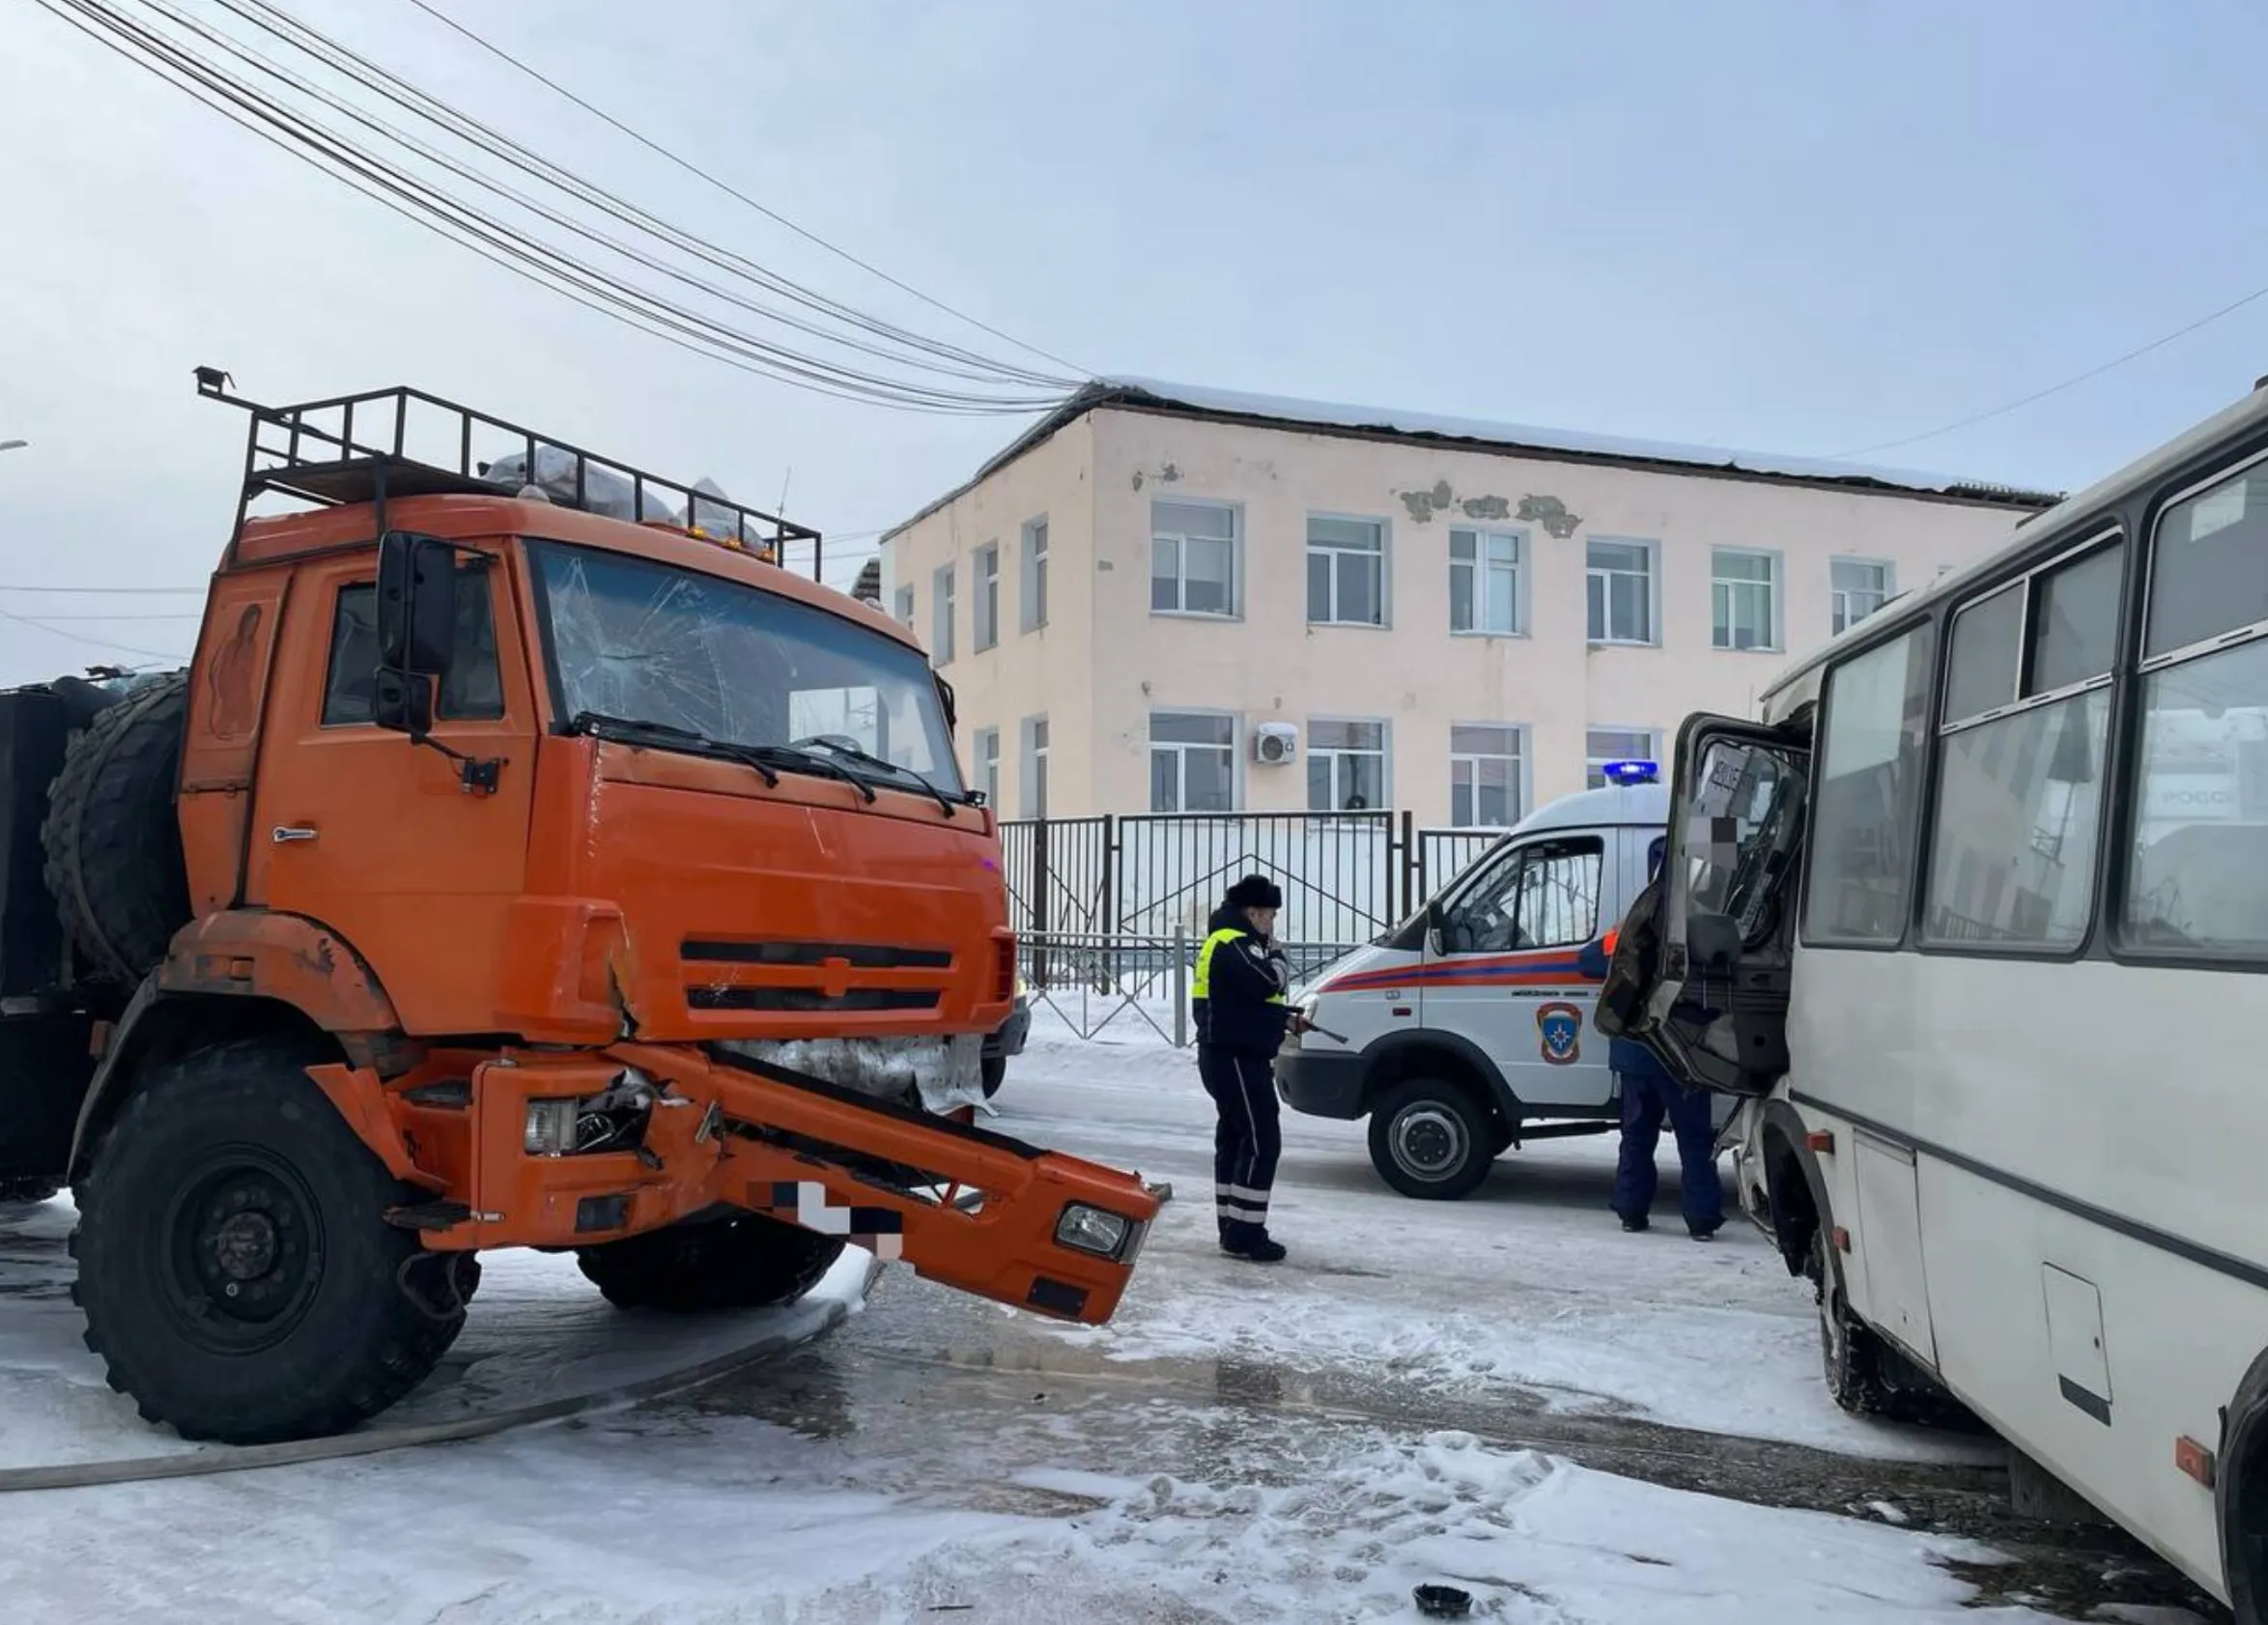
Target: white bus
[1978, 917]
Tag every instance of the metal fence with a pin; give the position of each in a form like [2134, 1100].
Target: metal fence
[1110, 909]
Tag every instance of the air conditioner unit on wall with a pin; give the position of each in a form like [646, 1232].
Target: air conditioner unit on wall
[1275, 744]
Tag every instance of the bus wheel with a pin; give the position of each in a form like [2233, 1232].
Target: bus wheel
[1848, 1356]
[237, 1272]
[702, 1265]
[1430, 1139]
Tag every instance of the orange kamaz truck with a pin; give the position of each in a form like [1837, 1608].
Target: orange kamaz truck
[526, 859]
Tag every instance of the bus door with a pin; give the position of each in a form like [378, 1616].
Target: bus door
[1701, 974]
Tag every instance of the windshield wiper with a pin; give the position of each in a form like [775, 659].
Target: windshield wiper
[794, 759]
[667, 736]
[841, 747]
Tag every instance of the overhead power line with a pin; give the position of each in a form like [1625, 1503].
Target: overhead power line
[178, 64]
[91, 642]
[729, 190]
[2139, 351]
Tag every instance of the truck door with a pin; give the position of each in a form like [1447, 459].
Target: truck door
[1701, 975]
[376, 838]
[1505, 975]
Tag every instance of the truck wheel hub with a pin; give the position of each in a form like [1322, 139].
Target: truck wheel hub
[246, 1251]
[245, 1246]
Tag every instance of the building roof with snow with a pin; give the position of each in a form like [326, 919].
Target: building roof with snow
[1567, 445]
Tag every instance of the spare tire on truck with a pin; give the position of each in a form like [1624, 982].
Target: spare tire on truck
[113, 839]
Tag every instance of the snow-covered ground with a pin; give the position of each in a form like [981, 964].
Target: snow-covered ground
[938, 1457]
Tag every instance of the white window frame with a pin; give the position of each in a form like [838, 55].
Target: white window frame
[985, 600]
[1837, 622]
[1480, 566]
[1776, 634]
[1591, 573]
[1592, 764]
[1385, 753]
[1235, 513]
[984, 763]
[905, 606]
[1384, 556]
[1031, 585]
[942, 614]
[1235, 721]
[1032, 778]
[1519, 778]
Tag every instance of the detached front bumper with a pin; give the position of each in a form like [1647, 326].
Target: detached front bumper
[1048, 1232]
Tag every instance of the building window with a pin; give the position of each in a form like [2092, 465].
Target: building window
[1034, 767]
[1603, 745]
[941, 617]
[985, 745]
[1743, 598]
[1869, 793]
[1621, 591]
[2198, 880]
[1484, 776]
[1193, 549]
[2020, 759]
[1345, 766]
[904, 602]
[984, 608]
[1035, 593]
[1484, 582]
[1192, 761]
[1861, 586]
[1345, 571]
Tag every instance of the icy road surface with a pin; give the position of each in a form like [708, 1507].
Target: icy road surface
[1243, 1444]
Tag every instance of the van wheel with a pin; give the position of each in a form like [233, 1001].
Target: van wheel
[745, 1261]
[235, 1266]
[1430, 1139]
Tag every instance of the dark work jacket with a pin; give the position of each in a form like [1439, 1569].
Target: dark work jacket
[1626, 1056]
[1238, 1000]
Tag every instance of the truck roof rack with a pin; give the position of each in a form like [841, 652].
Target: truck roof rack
[405, 442]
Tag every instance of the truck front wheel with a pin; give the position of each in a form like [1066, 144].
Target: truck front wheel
[702, 1265]
[237, 1274]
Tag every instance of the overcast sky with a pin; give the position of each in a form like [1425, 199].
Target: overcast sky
[1806, 227]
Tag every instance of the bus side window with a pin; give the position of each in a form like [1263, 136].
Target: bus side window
[2197, 878]
[1874, 733]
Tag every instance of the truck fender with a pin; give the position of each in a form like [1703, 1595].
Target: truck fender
[1395, 1045]
[251, 957]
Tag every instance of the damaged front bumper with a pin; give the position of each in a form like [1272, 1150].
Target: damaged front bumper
[689, 1129]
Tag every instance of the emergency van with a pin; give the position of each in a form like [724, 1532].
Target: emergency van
[1466, 1030]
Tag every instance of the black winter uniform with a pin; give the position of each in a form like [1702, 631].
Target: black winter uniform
[1241, 1019]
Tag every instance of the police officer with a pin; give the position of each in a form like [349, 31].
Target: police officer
[1243, 1015]
[1649, 1094]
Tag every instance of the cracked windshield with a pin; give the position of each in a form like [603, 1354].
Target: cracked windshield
[645, 643]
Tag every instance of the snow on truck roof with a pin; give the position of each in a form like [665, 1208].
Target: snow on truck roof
[1149, 394]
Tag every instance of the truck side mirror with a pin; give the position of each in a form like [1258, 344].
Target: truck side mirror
[416, 603]
[403, 700]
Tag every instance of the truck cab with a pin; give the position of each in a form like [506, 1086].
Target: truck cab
[1469, 1028]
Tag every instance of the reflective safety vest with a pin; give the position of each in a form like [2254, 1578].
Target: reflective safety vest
[1202, 987]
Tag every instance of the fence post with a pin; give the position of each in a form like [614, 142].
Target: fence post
[1180, 986]
[1041, 885]
[1412, 865]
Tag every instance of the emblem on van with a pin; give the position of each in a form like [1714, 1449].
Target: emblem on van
[1560, 1028]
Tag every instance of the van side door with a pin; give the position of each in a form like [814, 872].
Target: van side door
[1702, 972]
[1506, 973]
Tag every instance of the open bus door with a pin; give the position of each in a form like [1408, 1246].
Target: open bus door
[1701, 969]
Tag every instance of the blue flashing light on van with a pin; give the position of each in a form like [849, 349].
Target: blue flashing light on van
[1632, 772]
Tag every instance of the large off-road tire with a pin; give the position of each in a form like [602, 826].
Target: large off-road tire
[745, 1261]
[1432, 1139]
[237, 1274]
[993, 1072]
[113, 839]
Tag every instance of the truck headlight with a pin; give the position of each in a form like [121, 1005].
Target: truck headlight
[550, 1130]
[1091, 1230]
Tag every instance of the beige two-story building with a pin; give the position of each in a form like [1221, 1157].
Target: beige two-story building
[1182, 600]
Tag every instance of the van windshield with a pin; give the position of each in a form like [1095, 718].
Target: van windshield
[631, 639]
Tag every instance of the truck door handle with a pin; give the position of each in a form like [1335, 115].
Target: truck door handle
[284, 834]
